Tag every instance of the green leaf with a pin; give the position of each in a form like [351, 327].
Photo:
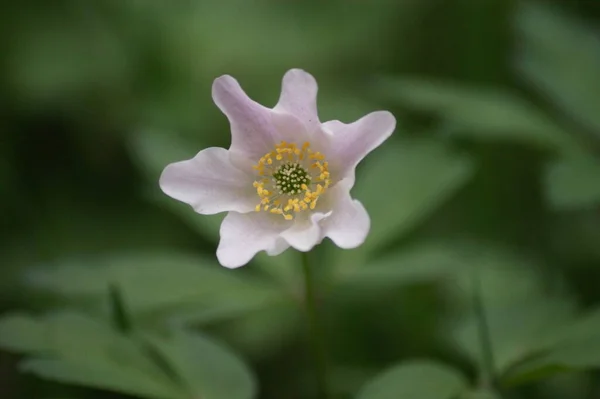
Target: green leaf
[401, 185]
[283, 268]
[100, 376]
[21, 333]
[560, 56]
[118, 310]
[153, 151]
[586, 327]
[570, 346]
[573, 183]
[507, 277]
[515, 330]
[61, 55]
[479, 113]
[421, 262]
[208, 369]
[159, 284]
[255, 332]
[77, 349]
[481, 394]
[419, 379]
[425, 174]
[518, 309]
[207, 226]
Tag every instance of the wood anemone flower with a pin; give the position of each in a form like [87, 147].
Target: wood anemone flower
[286, 178]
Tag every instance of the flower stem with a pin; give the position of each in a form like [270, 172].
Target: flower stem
[487, 376]
[315, 328]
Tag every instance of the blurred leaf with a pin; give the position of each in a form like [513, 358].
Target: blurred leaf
[101, 376]
[422, 262]
[181, 109]
[153, 151]
[207, 226]
[159, 284]
[207, 368]
[263, 332]
[59, 55]
[584, 328]
[560, 55]
[402, 185]
[519, 310]
[260, 27]
[79, 350]
[425, 174]
[507, 276]
[119, 314]
[515, 330]
[419, 379]
[480, 394]
[573, 183]
[347, 380]
[21, 333]
[284, 268]
[566, 385]
[570, 346]
[574, 236]
[480, 113]
[342, 103]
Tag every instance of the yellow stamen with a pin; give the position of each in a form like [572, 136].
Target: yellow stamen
[294, 178]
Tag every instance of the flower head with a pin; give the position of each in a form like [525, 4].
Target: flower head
[286, 177]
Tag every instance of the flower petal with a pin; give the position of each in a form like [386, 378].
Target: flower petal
[349, 222]
[305, 233]
[350, 143]
[299, 97]
[278, 247]
[252, 131]
[209, 183]
[244, 235]
[289, 128]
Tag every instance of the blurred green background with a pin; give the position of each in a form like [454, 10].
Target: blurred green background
[110, 289]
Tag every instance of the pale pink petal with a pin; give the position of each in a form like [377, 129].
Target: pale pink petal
[288, 128]
[252, 131]
[349, 222]
[305, 233]
[209, 183]
[244, 235]
[350, 143]
[278, 247]
[299, 97]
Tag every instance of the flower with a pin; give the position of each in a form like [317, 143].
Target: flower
[286, 178]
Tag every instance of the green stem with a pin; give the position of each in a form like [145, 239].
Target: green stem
[485, 340]
[315, 329]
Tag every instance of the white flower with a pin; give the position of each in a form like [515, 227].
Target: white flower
[286, 177]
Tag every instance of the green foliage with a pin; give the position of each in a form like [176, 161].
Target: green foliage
[477, 112]
[421, 263]
[560, 56]
[533, 334]
[572, 183]
[571, 345]
[159, 285]
[76, 349]
[205, 367]
[418, 379]
[427, 173]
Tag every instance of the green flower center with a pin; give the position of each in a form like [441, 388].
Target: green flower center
[290, 177]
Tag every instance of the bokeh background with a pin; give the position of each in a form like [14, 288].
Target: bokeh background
[109, 289]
